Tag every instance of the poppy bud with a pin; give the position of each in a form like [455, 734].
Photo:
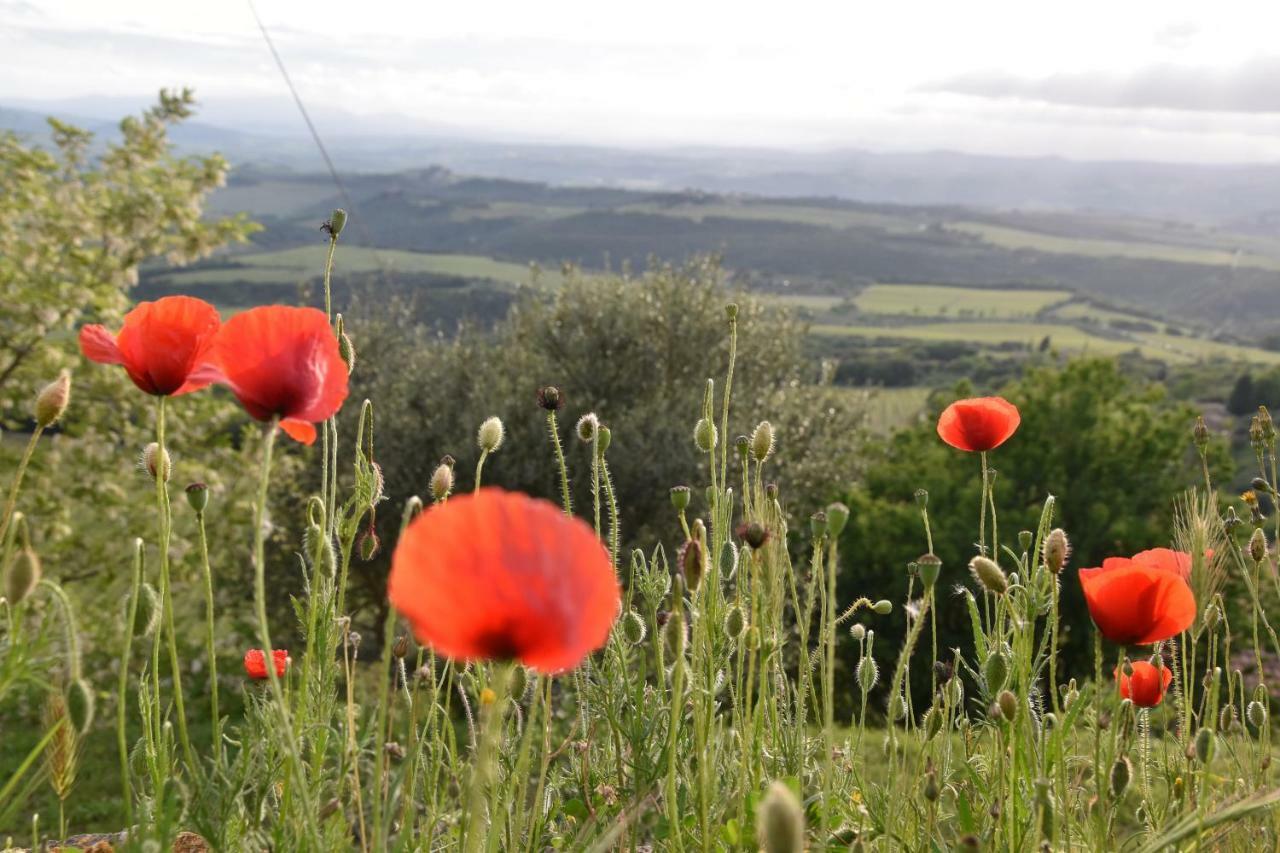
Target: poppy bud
[818, 525]
[1211, 614]
[1227, 719]
[519, 683]
[51, 402]
[401, 646]
[995, 670]
[897, 707]
[754, 534]
[943, 671]
[1121, 773]
[198, 496]
[633, 628]
[1260, 484]
[930, 567]
[603, 439]
[1268, 426]
[867, 673]
[705, 435]
[1200, 433]
[1257, 714]
[673, 632]
[932, 723]
[734, 622]
[989, 575]
[148, 618]
[80, 704]
[1056, 550]
[753, 637]
[441, 482]
[1258, 546]
[922, 498]
[742, 444]
[155, 458]
[550, 398]
[24, 574]
[587, 426]
[346, 349]
[762, 441]
[731, 311]
[930, 787]
[680, 497]
[883, 607]
[728, 559]
[491, 434]
[1008, 705]
[837, 517]
[693, 561]
[1255, 434]
[780, 821]
[337, 221]
[771, 491]
[858, 631]
[369, 544]
[1025, 538]
[1204, 744]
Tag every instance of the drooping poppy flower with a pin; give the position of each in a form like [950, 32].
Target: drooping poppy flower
[979, 423]
[255, 663]
[160, 346]
[1146, 687]
[498, 575]
[1138, 601]
[281, 362]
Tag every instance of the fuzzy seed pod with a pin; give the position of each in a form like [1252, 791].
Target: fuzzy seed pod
[991, 577]
[780, 821]
[1008, 705]
[883, 607]
[1255, 434]
[156, 459]
[867, 673]
[922, 498]
[818, 525]
[198, 496]
[731, 311]
[1257, 714]
[337, 221]
[705, 435]
[1056, 550]
[929, 566]
[734, 622]
[52, 400]
[587, 426]
[837, 517]
[550, 398]
[995, 670]
[742, 444]
[441, 482]
[1200, 433]
[1258, 546]
[491, 434]
[1121, 773]
[80, 704]
[24, 574]
[754, 534]
[680, 497]
[858, 631]
[400, 648]
[762, 441]
[1025, 538]
[1204, 745]
[519, 683]
[633, 628]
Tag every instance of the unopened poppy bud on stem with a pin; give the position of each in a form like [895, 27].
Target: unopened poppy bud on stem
[754, 534]
[837, 518]
[1200, 433]
[743, 445]
[337, 221]
[24, 574]
[155, 461]
[52, 400]
[587, 426]
[1204, 744]
[780, 821]
[550, 398]
[604, 439]
[762, 441]
[883, 607]
[1258, 546]
[1056, 550]
[491, 434]
[1121, 773]
[441, 482]
[705, 435]
[1008, 705]
[989, 575]
[1268, 425]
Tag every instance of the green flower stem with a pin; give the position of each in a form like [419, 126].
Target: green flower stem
[210, 638]
[122, 703]
[11, 502]
[553, 430]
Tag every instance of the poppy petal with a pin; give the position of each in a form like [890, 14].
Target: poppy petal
[99, 345]
[978, 424]
[302, 431]
[1137, 604]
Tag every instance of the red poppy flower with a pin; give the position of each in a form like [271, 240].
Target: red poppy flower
[281, 362]
[1138, 601]
[500, 575]
[161, 344]
[255, 663]
[1146, 687]
[978, 424]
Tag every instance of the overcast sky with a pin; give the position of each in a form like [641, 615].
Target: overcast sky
[1088, 78]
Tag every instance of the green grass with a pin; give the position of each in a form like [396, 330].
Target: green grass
[773, 212]
[941, 300]
[1090, 313]
[290, 266]
[1015, 239]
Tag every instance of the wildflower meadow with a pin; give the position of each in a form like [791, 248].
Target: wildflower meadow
[537, 683]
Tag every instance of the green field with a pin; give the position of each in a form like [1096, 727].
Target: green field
[766, 212]
[290, 266]
[1015, 239]
[940, 300]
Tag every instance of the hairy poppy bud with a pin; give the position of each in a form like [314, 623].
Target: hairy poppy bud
[400, 647]
[587, 426]
[837, 517]
[24, 574]
[674, 633]
[337, 221]
[735, 621]
[731, 311]
[603, 439]
[1200, 433]
[80, 704]
[52, 400]
[858, 631]
[922, 498]
[441, 482]
[198, 496]
[989, 575]
[1268, 426]
[633, 628]
[148, 617]
[1204, 744]
[491, 434]
[1056, 550]
[155, 461]
[693, 563]
[883, 607]
[705, 435]
[1227, 719]
[818, 525]
[550, 398]
[930, 566]
[754, 534]
[780, 821]
[1256, 438]
[1121, 773]
[369, 544]
[867, 673]
[1258, 546]
[762, 441]
[932, 723]
[995, 670]
[1256, 714]
[1261, 485]
[346, 349]
[519, 683]
[1008, 705]
[742, 444]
